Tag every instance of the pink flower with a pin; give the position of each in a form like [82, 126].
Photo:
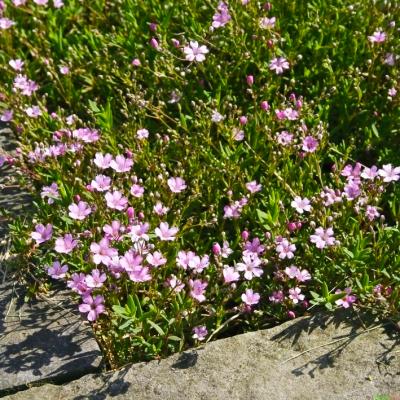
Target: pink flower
[65, 244]
[389, 174]
[330, 196]
[250, 266]
[103, 161]
[101, 183]
[198, 264]
[369, 173]
[177, 184]
[253, 187]
[6, 23]
[116, 200]
[284, 138]
[323, 238]
[41, 2]
[16, 65]
[57, 271]
[250, 298]
[237, 134]
[25, 85]
[226, 251]
[377, 37]
[77, 283]
[156, 259]
[230, 274]
[51, 192]
[137, 190]
[164, 232]
[295, 295]
[18, 3]
[136, 62]
[294, 273]
[195, 53]
[301, 205]
[254, 247]
[392, 92]
[113, 231]
[33, 112]
[159, 209]
[139, 274]
[79, 211]
[198, 288]
[267, 23]
[139, 232]
[372, 213]
[7, 116]
[390, 59]
[310, 144]
[93, 306]
[199, 332]
[184, 258]
[42, 233]
[130, 260]
[352, 190]
[347, 300]
[221, 16]
[64, 70]
[279, 65]
[285, 249]
[277, 297]
[233, 210]
[142, 134]
[86, 135]
[102, 252]
[175, 284]
[216, 117]
[121, 164]
[96, 279]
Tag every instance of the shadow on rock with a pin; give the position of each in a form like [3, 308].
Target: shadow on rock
[112, 385]
[354, 324]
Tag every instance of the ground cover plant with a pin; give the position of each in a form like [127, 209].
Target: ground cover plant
[203, 168]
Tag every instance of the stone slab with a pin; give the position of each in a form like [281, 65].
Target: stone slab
[325, 357]
[13, 199]
[43, 340]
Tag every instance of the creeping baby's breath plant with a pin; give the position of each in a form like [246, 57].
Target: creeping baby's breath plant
[204, 168]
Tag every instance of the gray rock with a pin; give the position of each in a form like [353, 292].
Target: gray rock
[14, 200]
[43, 340]
[322, 357]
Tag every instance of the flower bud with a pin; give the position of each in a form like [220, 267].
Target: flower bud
[130, 212]
[175, 42]
[291, 314]
[264, 105]
[243, 120]
[216, 249]
[154, 43]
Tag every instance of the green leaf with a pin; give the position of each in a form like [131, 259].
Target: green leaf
[156, 327]
[174, 338]
[118, 309]
[131, 305]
